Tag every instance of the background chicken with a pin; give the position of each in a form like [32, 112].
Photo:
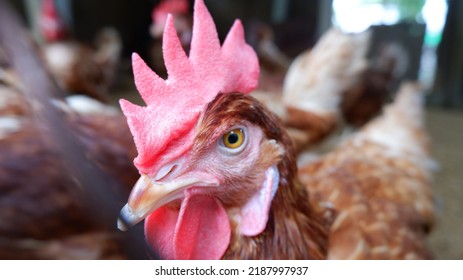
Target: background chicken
[365, 99]
[47, 210]
[331, 88]
[334, 65]
[311, 96]
[219, 180]
[44, 214]
[378, 185]
[79, 68]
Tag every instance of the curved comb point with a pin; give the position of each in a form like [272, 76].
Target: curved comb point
[173, 52]
[205, 42]
[146, 81]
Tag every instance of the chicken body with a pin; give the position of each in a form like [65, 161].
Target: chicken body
[375, 187]
[43, 214]
[309, 98]
[50, 152]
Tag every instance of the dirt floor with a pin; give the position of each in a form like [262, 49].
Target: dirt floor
[446, 129]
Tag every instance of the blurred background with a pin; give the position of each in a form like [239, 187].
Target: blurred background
[412, 39]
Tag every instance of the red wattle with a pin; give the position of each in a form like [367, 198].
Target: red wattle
[199, 230]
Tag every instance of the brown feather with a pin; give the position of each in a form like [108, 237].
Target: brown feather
[376, 187]
[294, 231]
[384, 207]
[374, 200]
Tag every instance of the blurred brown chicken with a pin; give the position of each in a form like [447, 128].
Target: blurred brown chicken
[310, 97]
[79, 68]
[375, 187]
[43, 214]
[365, 99]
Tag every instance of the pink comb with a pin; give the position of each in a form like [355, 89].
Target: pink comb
[174, 105]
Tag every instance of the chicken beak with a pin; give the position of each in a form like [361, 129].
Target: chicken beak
[148, 195]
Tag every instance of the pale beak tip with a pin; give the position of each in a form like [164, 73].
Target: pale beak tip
[121, 225]
[128, 218]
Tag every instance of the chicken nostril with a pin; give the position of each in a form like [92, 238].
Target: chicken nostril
[164, 171]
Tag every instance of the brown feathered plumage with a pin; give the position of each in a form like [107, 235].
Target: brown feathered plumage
[294, 231]
[43, 213]
[375, 199]
[368, 199]
[56, 160]
[375, 187]
[333, 73]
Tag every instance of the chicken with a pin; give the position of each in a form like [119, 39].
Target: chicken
[219, 178]
[46, 209]
[51, 210]
[316, 87]
[338, 83]
[378, 184]
[77, 67]
[366, 98]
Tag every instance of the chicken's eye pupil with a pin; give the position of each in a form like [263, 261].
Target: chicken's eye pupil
[233, 138]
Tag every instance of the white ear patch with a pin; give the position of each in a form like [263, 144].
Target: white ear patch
[254, 215]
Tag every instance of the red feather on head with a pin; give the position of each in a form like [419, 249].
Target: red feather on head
[175, 104]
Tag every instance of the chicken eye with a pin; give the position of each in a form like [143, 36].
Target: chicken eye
[233, 139]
